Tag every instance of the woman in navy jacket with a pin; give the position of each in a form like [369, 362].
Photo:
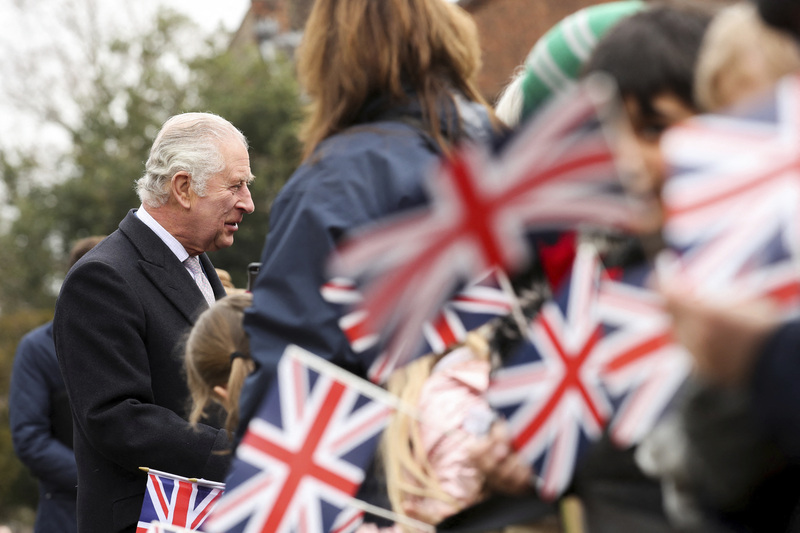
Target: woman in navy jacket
[391, 90]
[377, 124]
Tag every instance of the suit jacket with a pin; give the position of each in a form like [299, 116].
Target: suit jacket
[120, 321]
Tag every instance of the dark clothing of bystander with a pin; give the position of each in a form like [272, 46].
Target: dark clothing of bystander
[41, 429]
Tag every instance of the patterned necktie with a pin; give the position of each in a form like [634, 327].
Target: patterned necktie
[193, 264]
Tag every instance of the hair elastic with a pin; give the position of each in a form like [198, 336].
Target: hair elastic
[240, 355]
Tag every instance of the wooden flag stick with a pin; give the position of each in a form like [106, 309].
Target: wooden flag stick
[200, 481]
[516, 308]
[391, 515]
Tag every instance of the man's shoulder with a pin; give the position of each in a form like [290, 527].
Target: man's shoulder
[123, 245]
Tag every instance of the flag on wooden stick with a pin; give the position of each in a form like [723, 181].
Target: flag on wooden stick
[304, 453]
[599, 354]
[176, 500]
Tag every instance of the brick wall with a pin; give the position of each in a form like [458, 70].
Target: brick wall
[508, 29]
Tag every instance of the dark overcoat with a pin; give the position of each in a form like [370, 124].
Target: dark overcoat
[120, 322]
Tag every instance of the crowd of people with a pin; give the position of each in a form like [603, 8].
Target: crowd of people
[163, 366]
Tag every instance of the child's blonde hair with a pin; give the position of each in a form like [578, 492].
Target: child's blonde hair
[407, 467]
[218, 354]
[737, 46]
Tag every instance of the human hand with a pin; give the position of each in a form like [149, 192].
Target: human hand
[723, 337]
[505, 471]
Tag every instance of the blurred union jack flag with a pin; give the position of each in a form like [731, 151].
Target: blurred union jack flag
[642, 366]
[470, 308]
[304, 453]
[549, 390]
[598, 354]
[557, 171]
[732, 195]
[178, 501]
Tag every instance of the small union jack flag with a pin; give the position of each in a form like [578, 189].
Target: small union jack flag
[476, 304]
[348, 521]
[550, 391]
[559, 171]
[178, 501]
[304, 453]
[643, 366]
[732, 195]
[599, 354]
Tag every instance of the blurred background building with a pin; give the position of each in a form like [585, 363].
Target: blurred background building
[508, 29]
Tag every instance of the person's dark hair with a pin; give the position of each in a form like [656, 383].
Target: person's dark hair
[782, 14]
[652, 52]
[82, 246]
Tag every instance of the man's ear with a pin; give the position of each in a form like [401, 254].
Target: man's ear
[181, 188]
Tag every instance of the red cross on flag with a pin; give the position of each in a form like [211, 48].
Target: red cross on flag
[558, 171]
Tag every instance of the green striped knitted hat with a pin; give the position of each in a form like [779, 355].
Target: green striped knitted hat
[555, 61]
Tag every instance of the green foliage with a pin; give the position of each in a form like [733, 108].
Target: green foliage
[94, 186]
[45, 206]
[261, 100]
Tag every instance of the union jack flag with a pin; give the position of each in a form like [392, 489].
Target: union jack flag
[558, 171]
[304, 453]
[601, 353]
[177, 501]
[643, 366]
[470, 308]
[549, 390]
[732, 195]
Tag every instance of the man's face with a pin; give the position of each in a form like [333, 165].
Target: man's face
[666, 110]
[215, 217]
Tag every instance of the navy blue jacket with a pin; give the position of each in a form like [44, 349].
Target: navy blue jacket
[358, 176]
[41, 429]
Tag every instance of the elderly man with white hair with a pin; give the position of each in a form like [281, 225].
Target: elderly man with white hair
[124, 309]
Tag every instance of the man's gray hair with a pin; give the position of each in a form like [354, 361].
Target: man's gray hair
[189, 142]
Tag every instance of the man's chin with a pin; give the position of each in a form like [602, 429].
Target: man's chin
[225, 242]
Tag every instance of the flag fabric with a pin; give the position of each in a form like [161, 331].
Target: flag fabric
[470, 308]
[348, 521]
[304, 453]
[598, 354]
[178, 501]
[558, 171]
[731, 198]
[553, 402]
[642, 365]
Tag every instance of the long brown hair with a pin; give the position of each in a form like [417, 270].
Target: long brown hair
[354, 50]
[216, 335]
